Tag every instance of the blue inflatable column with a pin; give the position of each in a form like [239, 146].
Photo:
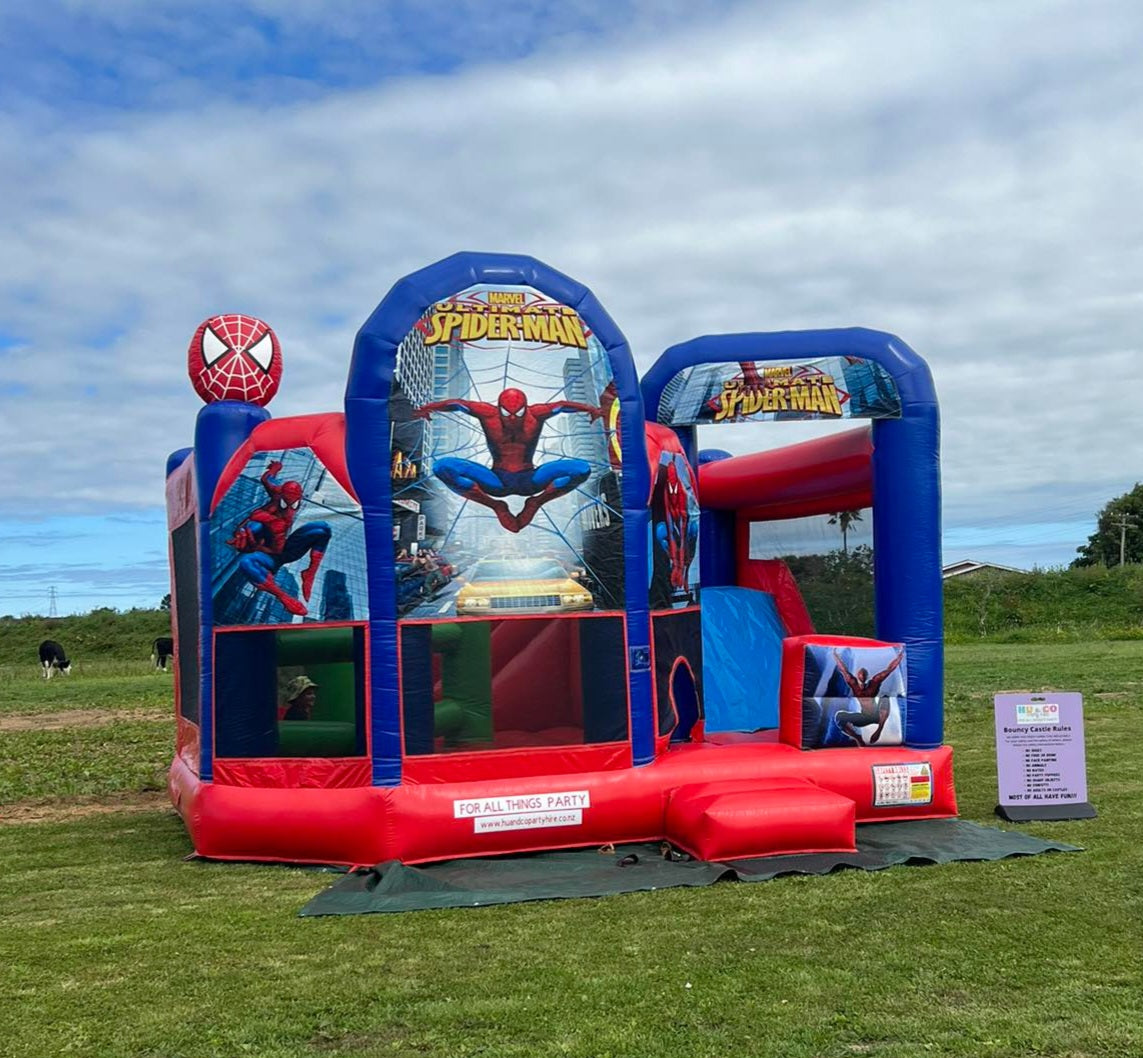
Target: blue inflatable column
[368, 444]
[177, 458]
[636, 525]
[907, 556]
[220, 430]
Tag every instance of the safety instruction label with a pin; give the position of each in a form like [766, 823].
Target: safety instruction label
[523, 811]
[902, 784]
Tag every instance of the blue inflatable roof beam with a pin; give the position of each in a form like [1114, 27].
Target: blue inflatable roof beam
[177, 458]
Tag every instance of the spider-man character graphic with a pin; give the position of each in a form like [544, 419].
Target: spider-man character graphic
[512, 429]
[866, 690]
[751, 377]
[235, 357]
[676, 533]
[267, 543]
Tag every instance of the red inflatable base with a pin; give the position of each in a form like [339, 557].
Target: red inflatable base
[364, 825]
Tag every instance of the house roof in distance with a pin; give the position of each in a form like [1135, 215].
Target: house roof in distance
[968, 565]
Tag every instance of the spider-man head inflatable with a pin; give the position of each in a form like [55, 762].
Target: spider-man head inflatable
[235, 357]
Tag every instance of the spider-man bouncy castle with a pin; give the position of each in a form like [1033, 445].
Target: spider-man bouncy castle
[503, 603]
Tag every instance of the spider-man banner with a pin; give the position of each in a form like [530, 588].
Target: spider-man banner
[834, 387]
[505, 485]
[674, 534]
[853, 696]
[287, 545]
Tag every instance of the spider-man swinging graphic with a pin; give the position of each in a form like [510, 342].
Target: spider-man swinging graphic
[512, 429]
[267, 544]
[676, 533]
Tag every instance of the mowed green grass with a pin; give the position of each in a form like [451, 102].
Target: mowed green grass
[121, 742]
[117, 757]
[93, 684]
[111, 944]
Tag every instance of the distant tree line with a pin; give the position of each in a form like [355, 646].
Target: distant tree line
[1118, 537]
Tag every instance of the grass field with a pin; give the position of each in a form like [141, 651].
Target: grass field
[111, 944]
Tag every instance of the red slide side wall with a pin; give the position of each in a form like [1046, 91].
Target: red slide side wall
[527, 665]
[772, 575]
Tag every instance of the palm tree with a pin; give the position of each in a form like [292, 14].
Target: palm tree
[845, 519]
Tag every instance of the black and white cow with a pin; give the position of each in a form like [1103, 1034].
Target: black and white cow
[53, 659]
[162, 650]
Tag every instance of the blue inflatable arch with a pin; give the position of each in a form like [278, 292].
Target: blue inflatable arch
[906, 489]
[368, 444]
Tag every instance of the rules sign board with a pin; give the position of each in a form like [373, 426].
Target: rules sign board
[1040, 765]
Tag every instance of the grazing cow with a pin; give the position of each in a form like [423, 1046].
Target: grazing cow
[53, 659]
[162, 650]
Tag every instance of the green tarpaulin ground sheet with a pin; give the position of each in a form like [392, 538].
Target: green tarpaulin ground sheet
[392, 886]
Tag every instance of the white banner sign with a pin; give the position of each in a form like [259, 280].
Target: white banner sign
[523, 811]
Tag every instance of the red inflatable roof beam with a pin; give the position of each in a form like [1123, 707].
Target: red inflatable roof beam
[323, 433]
[790, 477]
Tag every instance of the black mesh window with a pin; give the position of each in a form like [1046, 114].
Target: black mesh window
[831, 558]
[185, 551]
[678, 671]
[290, 692]
[513, 683]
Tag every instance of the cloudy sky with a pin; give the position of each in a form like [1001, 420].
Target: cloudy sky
[967, 176]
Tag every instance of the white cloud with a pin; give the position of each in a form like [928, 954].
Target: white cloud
[966, 177]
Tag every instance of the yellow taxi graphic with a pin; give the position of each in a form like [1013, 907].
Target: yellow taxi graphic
[520, 585]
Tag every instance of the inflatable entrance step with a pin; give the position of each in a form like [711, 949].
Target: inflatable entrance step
[759, 817]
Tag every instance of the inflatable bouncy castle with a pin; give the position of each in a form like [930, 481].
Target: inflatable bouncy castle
[502, 601]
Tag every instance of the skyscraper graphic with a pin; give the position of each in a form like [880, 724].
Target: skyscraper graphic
[872, 392]
[450, 379]
[585, 438]
[415, 367]
[337, 602]
[686, 393]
